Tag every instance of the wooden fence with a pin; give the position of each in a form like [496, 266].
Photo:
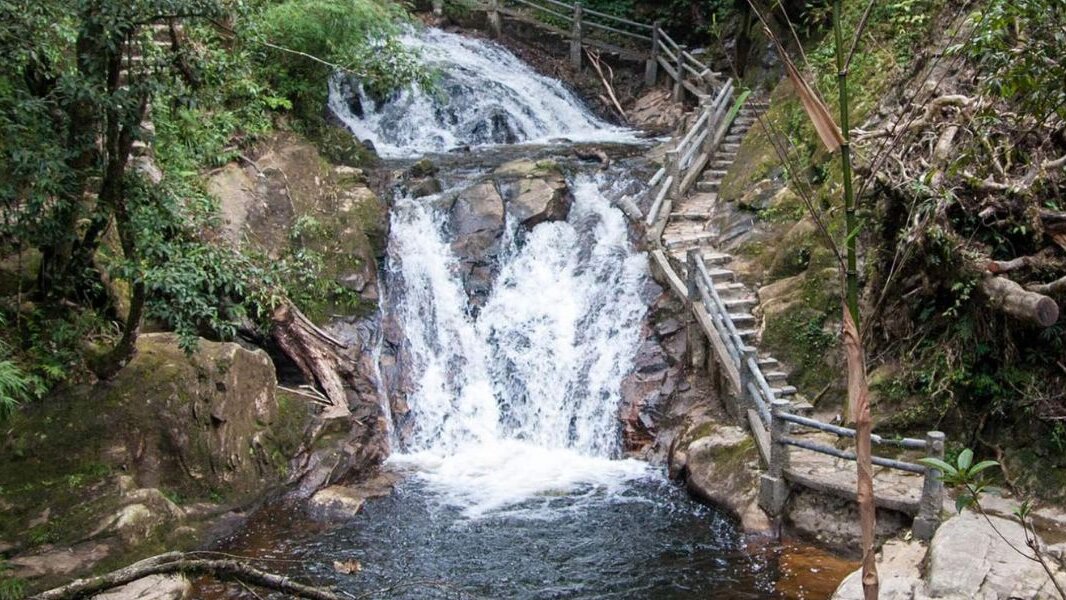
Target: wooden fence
[586, 27]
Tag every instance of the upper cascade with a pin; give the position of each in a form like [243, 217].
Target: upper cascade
[482, 95]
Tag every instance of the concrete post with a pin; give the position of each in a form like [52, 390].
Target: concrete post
[438, 8]
[679, 66]
[932, 501]
[575, 39]
[495, 25]
[773, 489]
[707, 105]
[696, 340]
[673, 169]
[651, 67]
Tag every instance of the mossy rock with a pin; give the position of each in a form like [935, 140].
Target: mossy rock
[801, 323]
[200, 427]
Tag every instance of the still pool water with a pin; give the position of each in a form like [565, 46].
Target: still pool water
[648, 540]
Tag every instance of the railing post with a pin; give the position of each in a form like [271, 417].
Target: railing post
[695, 336]
[932, 501]
[651, 68]
[679, 65]
[707, 104]
[673, 169]
[495, 25]
[773, 489]
[438, 8]
[575, 39]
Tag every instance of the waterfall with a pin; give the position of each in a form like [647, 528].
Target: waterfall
[482, 95]
[522, 400]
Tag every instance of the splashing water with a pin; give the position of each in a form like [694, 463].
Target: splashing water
[522, 401]
[484, 95]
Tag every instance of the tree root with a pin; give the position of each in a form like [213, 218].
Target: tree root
[178, 562]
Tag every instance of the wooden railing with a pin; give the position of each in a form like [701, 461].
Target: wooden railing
[632, 39]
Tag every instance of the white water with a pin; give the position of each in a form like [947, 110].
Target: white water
[484, 95]
[521, 402]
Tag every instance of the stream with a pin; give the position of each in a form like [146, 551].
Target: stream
[512, 480]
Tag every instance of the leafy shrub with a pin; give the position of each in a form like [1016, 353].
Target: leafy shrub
[359, 36]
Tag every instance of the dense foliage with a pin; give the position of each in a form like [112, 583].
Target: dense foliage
[94, 239]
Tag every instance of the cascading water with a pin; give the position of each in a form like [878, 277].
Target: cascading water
[518, 487]
[483, 95]
[523, 400]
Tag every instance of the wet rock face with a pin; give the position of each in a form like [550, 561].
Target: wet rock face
[658, 372]
[528, 192]
[477, 220]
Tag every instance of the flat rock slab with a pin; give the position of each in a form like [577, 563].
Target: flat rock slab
[966, 559]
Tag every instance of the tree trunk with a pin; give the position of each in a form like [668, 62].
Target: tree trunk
[316, 354]
[1007, 296]
[858, 399]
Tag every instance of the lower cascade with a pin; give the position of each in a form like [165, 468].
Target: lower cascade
[524, 399]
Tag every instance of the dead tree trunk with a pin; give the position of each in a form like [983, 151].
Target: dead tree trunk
[1007, 296]
[175, 563]
[316, 354]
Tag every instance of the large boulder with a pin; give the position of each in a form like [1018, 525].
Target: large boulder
[722, 467]
[966, 559]
[195, 423]
[534, 191]
[130, 463]
[541, 199]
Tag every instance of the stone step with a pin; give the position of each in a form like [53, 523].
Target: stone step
[711, 258]
[730, 289]
[743, 303]
[689, 216]
[707, 186]
[768, 363]
[139, 148]
[748, 334]
[690, 241]
[730, 147]
[784, 391]
[801, 406]
[745, 320]
[774, 377]
[733, 138]
[718, 275]
[719, 173]
[722, 165]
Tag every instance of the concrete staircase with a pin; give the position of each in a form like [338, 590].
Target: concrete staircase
[690, 227]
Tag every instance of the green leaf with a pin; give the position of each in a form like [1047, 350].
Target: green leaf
[981, 466]
[965, 459]
[939, 465]
[964, 501]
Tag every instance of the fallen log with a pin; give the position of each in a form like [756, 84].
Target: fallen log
[177, 562]
[316, 354]
[1007, 296]
[1054, 288]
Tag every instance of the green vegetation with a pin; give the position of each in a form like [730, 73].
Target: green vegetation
[94, 241]
[963, 366]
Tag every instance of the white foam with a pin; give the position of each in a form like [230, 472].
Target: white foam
[484, 95]
[522, 402]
